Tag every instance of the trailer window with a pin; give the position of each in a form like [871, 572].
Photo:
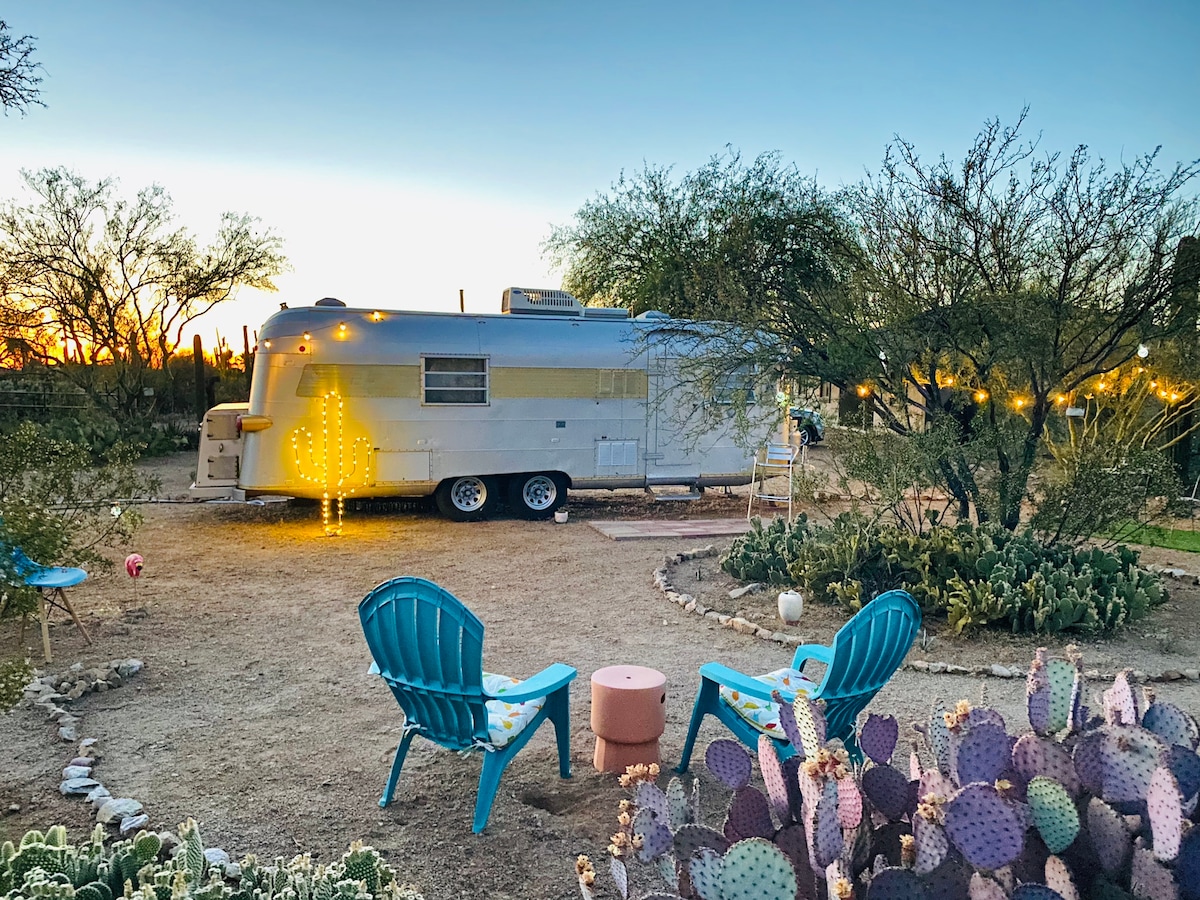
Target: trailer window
[454, 379]
[735, 387]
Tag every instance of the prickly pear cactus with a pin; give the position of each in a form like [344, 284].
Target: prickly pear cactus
[1164, 808]
[729, 763]
[878, 738]
[984, 828]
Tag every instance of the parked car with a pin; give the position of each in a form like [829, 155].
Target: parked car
[809, 425]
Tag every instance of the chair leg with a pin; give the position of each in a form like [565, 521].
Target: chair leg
[397, 763]
[560, 715]
[706, 699]
[494, 762]
[63, 603]
[44, 614]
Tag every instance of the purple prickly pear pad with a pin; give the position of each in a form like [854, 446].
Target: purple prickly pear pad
[878, 737]
[983, 827]
[729, 763]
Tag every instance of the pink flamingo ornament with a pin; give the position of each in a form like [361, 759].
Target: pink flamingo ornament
[133, 568]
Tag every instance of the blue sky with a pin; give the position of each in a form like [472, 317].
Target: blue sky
[405, 150]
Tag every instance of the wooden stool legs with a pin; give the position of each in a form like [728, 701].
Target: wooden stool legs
[56, 598]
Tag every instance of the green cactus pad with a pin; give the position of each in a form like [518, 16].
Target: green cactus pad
[1054, 813]
[146, 845]
[93, 891]
[755, 869]
[1061, 676]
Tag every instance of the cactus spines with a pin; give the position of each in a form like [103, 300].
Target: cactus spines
[1187, 865]
[810, 722]
[1149, 878]
[888, 790]
[679, 809]
[849, 804]
[749, 815]
[729, 763]
[827, 831]
[1110, 837]
[1171, 724]
[650, 798]
[193, 850]
[1060, 879]
[755, 869]
[983, 827]
[704, 870]
[693, 837]
[1035, 892]
[983, 753]
[1033, 755]
[930, 843]
[983, 888]
[937, 734]
[1120, 705]
[1164, 808]
[1054, 813]
[878, 738]
[894, 883]
[774, 777]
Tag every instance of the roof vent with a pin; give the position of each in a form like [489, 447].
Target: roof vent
[538, 301]
[329, 301]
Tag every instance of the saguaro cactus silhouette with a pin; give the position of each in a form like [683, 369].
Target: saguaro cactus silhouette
[327, 465]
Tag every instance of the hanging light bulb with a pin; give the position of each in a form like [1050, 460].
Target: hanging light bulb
[1143, 351]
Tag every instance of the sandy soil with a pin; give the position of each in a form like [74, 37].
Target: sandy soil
[255, 713]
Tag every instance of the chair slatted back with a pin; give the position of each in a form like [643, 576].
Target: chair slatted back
[779, 455]
[429, 649]
[867, 651]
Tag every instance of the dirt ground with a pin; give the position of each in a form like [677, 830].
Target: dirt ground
[255, 713]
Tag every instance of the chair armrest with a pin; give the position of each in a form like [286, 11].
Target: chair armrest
[805, 652]
[740, 682]
[542, 684]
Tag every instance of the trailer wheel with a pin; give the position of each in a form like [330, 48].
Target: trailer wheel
[466, 499]
[536, 496]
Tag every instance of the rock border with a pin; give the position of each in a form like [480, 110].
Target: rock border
[745, 626]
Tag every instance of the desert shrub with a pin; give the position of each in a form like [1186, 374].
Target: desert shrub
[60, 508]
[14, 675]
[47, 866]
[971, 575]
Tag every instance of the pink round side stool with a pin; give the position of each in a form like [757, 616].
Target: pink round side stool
[629, 712]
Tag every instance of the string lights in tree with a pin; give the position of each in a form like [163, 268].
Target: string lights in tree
[327, 464]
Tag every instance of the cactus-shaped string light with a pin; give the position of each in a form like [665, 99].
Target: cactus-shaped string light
[328, 465]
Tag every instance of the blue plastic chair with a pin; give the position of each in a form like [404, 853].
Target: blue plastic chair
[50, 582]
[429, 649]
[864, 655]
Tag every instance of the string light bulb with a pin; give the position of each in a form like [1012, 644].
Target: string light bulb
[981, 396]
[1143, 351]
[377, 316]
[864, 390]
[330, 470]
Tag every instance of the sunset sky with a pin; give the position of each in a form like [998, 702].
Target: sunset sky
[406, 150]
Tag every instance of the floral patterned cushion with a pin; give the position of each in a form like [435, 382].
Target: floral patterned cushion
[506, 720]
[763, 714]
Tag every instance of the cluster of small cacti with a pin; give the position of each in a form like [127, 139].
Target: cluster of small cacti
[1081, 807]
[972, 575]
[764, 552]
[45, 865]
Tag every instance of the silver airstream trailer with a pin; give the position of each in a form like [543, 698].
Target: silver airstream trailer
[474, 410]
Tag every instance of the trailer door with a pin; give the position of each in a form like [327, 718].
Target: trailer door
[667, 458]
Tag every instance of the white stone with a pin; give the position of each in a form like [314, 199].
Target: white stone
[98, 796]
[77, 772]
[1191, 674]
[937, 668]
[1001, 671]
[74, 787]
[738, 593]
[216, 856]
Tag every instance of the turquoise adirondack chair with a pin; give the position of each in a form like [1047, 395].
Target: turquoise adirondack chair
[429, 649]
[864, 655]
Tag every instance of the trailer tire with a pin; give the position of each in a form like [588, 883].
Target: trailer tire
[467, 498]
[536, 495]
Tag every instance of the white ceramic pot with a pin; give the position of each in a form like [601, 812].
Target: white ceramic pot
[560, 516]
[791, 606]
